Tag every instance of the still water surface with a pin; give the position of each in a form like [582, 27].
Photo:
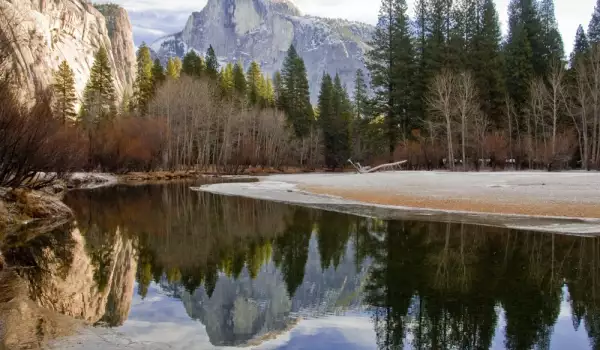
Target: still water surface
[162, 264]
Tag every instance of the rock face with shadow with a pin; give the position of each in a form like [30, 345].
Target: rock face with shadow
[263, 30]
[43, 33]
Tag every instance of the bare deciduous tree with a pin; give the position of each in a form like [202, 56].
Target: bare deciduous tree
[556, 81]
[467, 106]
[441, 104]
[207, 131]
[576, 102]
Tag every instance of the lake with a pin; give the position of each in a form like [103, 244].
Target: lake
[167, 267]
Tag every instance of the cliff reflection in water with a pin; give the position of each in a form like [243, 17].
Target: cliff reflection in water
[57, 272]
[249, 270]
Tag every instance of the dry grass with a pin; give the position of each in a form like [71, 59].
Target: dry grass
[479, 205]
[38, 205]
[18, 206]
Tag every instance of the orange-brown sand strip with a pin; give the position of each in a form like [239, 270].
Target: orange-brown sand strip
[489, 205]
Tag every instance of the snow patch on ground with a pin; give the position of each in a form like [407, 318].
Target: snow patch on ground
[91, 180]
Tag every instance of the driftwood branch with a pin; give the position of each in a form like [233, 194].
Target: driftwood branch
[387, 166]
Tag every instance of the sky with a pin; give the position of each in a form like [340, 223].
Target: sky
[155, 18]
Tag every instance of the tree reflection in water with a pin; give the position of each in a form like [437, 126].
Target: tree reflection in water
[426, 285]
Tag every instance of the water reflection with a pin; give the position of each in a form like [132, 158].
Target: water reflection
[265, 274]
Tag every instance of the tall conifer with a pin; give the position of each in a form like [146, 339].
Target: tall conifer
[391, 64]
[239, 79]
[255, 84]
[295, 94]
[212, 63]
[144, 85]
[99, 102]
[64, 93]
[488, 64]
[594, 25]
[580, 47]
[158, 75]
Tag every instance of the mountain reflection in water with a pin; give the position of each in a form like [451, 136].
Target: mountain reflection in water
[240, 272]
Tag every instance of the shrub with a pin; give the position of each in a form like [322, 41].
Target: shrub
[35, 148]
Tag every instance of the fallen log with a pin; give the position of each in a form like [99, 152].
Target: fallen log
[387, 166]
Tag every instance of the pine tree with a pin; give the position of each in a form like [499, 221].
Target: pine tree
[463, 35]
[488, 64]
[420, 73]
[594, 25]
[343, 116]
[99, 94]
[295, 94]
[362, 115]
[391, 64]
[192, 64]
[212, 64]
[438, 26]
[325, 120]
[144, 85]
[173, 71]
[528, 17]
[255, 84]
[552, 44]
[581, 46]
[226, 79]
[335, 113]
[361, 97]
[64, 93]
[158, 75]
[277, 88]
[269, 95]
[239, 79]
[518, 53]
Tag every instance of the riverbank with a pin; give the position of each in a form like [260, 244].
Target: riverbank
[20, 207]
[561, 202]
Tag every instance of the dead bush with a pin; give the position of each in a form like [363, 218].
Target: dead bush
[33, 142]
[128, 144]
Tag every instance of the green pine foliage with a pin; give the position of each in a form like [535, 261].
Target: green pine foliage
[158, 74]
[552, 44]
[361, 96]
[255, 85]
[99, 101]
[392, 67]
[278, 89]
[519, 63]
[488, 64]
[192, 65]
[144, 84]
[594, 25]
[269, 93]
[226, 80]
[580, 47]
[335, 114]
[64, 93]
[212, 64]
[239, 79]
[295, 95]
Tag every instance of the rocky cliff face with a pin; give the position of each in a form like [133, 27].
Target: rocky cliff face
[263, 30]
[43, 33]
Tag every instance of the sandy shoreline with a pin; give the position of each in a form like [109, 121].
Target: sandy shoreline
[492, 205]
[551, 202]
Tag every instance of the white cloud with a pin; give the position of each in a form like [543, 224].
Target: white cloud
[569, 13]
